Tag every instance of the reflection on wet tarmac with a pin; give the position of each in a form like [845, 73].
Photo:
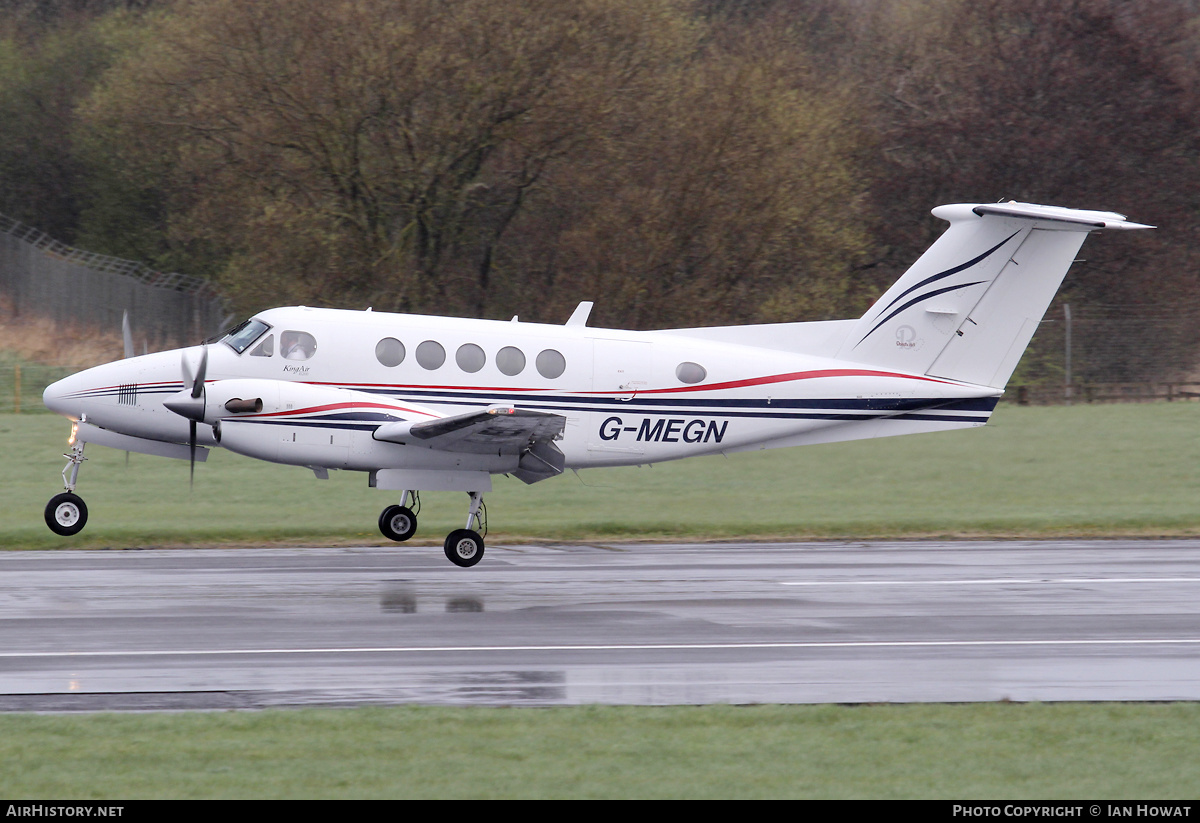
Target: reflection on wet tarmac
[405, 601]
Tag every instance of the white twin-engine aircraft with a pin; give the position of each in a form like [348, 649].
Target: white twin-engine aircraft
[442, 404]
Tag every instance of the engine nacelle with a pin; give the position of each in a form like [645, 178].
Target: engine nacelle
[305, 425]
[248, 397]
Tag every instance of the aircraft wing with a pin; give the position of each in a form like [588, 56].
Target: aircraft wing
[496, 430]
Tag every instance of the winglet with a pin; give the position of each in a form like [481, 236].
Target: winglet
[579, 317]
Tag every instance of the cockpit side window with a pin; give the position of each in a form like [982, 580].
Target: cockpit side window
[240, 338]
[265, 347]
[297, 345]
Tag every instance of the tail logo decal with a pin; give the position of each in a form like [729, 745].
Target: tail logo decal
[931, 294]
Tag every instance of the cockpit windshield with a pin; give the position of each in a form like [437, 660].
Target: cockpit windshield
[241, 336]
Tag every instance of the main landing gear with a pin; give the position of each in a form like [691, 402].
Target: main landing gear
[400, 522]
[66, 513]
[463, 547]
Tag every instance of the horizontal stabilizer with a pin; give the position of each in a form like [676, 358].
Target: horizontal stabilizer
[1074, 219]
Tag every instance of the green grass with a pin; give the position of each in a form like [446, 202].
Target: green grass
[1033, 472]
[995, 751]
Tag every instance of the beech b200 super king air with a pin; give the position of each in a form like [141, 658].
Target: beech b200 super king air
[442, 404]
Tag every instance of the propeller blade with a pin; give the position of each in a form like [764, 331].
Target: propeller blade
[191, 410]
[198, 384]
[190, 402]
[186, 369]
[127, 334]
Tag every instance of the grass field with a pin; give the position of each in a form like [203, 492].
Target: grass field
[997, 751]
[1031, 472]
[1034, 472]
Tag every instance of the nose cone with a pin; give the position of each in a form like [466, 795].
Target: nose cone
[99, 390]
[66, 396]
[185, 405]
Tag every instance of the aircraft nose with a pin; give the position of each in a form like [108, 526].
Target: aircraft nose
[62, 397]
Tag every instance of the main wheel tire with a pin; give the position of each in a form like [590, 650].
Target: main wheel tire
[464, 547]
[66, 514]
[398, 523]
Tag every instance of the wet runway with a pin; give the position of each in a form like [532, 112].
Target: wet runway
[620, 624]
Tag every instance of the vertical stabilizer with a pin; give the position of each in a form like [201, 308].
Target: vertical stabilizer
[968, 307]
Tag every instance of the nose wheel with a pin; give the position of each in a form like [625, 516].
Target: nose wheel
[66, 514]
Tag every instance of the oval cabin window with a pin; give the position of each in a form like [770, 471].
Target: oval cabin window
[431, 355]
[389, 351]
[690, 372]
[551, 364]
[510, 361]
[470, 358]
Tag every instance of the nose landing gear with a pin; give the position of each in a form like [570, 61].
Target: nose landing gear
[66, 513]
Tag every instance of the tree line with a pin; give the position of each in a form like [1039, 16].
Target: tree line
[679, 162]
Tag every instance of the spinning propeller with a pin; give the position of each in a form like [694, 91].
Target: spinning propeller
[191, 405]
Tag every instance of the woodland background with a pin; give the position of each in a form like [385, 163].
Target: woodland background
[679, 162]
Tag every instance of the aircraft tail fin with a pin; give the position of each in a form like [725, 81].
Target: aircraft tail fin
[967, 308]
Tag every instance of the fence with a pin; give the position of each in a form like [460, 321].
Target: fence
[40, 276]
[21, 386]
[1112, 353]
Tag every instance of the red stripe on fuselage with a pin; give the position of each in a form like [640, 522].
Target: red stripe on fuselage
[796, 375]
[731, 384]
[334, 407]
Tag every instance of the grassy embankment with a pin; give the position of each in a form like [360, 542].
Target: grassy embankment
[1031, 472]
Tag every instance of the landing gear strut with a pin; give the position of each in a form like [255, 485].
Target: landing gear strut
[66, 513]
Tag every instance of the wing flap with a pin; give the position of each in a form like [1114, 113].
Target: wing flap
[496, 430]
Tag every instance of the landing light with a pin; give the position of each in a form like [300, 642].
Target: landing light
[74, 431]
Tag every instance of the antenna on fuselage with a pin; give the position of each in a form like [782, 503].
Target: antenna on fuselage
[579, 317]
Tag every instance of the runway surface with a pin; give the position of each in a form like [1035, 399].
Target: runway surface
[628, 624]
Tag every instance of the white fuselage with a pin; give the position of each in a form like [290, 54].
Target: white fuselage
[628, 397]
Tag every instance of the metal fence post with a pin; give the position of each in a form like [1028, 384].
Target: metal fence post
[1067, 387]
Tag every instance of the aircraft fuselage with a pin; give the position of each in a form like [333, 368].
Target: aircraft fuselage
[623, 393]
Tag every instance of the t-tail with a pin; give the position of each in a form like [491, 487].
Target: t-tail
[965, 311]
